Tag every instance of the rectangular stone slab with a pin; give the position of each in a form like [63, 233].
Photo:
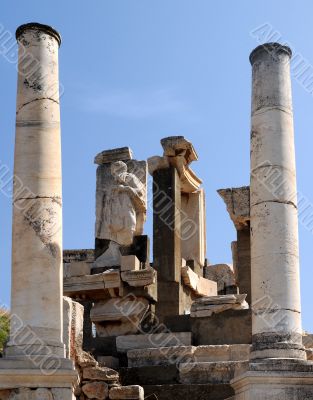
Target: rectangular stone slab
[208, 372]
[131, 342]
[108, 156]
[196, 392]
[160, 356]
[92, 284]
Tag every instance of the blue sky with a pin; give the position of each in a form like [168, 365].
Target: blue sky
[135, 71]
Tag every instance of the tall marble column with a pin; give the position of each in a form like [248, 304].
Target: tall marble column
[34, 364]
[277, 330]
[37, 212]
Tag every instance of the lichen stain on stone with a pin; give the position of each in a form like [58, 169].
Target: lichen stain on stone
[54, 249]
[25, 43]
[35, 85]
[44, 221]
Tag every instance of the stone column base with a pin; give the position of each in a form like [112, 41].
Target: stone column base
[293, 381]
[17, 377]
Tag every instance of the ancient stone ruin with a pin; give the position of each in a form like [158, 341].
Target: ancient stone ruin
[121, 323]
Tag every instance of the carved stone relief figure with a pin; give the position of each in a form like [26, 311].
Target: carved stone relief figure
[121, 202]
[123, 207]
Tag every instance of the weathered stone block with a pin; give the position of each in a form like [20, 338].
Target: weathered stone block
[100, 374]
[237, 201]
[201, 286]
[112, 279]
[119, 316]
[134, 392]
[205, 287]
[96, 390]
[194, 227]
[111, 155]
[196, 392]
[143, 277]
[157, 162]
[109, 361]
[87, 255]
[83, 284]
[130, 263]
[76, 268]
[190, 278]
[73, 326]
[174, 299]
[217, 353]
[166, 225]
[243, 269]
[131, 342]
[208, 372]
[160, 356]
[229, 327]
[207, 306]
[150, 375]
[223, 274]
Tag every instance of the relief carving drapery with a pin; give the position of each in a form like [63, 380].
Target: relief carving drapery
[122, 211]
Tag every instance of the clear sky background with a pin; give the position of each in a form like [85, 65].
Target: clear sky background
[135, 71]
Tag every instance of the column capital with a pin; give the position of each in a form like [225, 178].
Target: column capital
[272, 49]
[38, 27]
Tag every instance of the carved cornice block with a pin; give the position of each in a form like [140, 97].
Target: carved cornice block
[143, 277]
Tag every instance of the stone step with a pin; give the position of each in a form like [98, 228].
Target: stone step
[154, 340]
[209, 372]
[188, 392]
[160, 356]
[150, 375]
[184, 354]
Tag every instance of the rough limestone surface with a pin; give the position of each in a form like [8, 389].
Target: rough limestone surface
[193, 217]
[206, 287]
[209, 372]
[96, 390]
[201, 286]
[76, 268]
[130, 263]
[119, 316]
[206, 306]
[223, 274]
[131, 342]
[184, 354]
[102, 374]
[157, 162]
[127, 393]
[235, 352]
[73, 326]
[237, 201]
[144, 277]
[160, 356]
[109, 361]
